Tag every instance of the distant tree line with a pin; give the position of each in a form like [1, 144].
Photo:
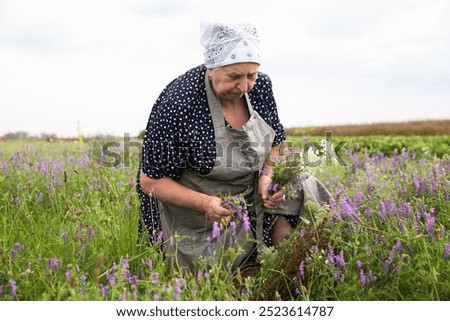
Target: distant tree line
[25, 135]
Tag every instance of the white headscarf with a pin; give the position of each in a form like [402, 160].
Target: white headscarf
[229, 44]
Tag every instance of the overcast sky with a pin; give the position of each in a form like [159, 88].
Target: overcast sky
[102, 63]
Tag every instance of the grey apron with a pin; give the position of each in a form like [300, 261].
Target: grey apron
[239, 157]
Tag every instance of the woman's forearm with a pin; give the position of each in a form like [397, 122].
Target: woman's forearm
[171, 192]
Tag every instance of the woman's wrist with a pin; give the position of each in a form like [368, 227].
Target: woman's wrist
[204, 203]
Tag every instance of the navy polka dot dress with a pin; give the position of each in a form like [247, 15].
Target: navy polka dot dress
[180, 135]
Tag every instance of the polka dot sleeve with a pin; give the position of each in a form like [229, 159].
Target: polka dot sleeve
[160, 157]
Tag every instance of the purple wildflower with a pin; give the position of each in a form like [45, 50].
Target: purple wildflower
[58, 166]
[400, 188]
[14, 252]
[177, 293]
[180, 282]
[359, 265]
[419, 186]
[125, 269]
[368, 213]
[52, 265]
[372, 278]
[68, 275]
[338, 192]
[247, 224]
[430, 220]
[433, 183]
[362, 276]
[301, 233]
[111, 275]
[405, 210]
[154, 278]
[358, 198]
[401, 224]
[273, 188]
[408, 247]
[43, 168]
[83, 279]
[416, 222]
[150, 264]
[330, 257]
[301, 269]
[446, 250]
[239, 211]
[340, 259]
[159, 238]
[104, 289]
[233, 227]
[12, 289]
[216, 231]
[39, 197]
[337, 275]
[389, 260]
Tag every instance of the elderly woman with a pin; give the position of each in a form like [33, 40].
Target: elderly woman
[210, 133]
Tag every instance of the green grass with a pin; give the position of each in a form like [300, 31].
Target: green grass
[69, 231]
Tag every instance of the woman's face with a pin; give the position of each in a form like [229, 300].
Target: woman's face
[231, 82]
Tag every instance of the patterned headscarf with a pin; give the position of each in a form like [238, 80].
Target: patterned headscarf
[229, 44]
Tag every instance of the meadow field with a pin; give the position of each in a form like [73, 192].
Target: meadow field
[70, 213]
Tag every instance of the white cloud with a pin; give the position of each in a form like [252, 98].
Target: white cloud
[103, 63]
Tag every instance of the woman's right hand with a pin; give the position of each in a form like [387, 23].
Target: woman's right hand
[213, 209]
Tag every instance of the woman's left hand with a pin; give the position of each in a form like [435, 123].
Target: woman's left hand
[270, 201]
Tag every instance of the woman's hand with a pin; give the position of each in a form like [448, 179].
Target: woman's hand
[213, 209]
[270, 201]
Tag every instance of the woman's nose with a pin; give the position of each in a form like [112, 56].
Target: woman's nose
[243, 85]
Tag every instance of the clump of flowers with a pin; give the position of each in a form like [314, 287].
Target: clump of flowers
[239, 207]
[286, 173]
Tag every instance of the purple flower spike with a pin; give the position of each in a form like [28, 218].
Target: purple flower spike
[430, 220]
[68, 275]
[104, 289]
[12, 289]
[233, 227]
[301, 269]
[362, 278]
[159, 238]
[330, 257]
[446, 250]
[52, 266]
[216, 231]
[154, 278]
[177, 293]
[247, 224]
[340, 259]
